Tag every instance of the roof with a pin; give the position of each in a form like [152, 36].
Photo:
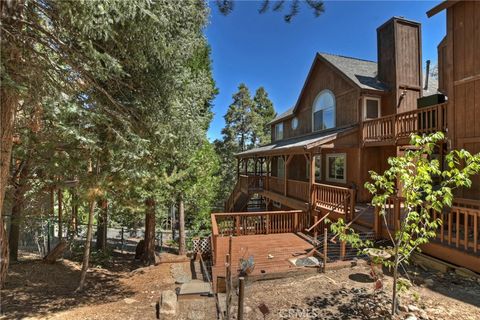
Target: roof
[362, 72]
[301, 143]
[440, 7]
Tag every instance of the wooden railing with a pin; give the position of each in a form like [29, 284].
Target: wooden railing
[397, 126]
[276, 184]
[460, 225]
[229, 204]
[333, 197]
[249, 223]
[298, 190]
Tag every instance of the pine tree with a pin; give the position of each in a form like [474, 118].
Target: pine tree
[263, 113]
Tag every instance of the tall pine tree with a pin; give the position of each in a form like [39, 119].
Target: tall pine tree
[263, 113]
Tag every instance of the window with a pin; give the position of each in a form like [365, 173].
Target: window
[324, 111]
[294, 123]
[279, 131]
[280, 167]
[337, 167]
[371, 109]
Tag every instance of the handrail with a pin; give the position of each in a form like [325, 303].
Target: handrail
[325, 216]
[331, 186]
[400, 125]
[262, 213]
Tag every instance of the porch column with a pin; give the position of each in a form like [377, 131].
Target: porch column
[286, 162]
[311, 182]
[238, 168]
[267, 176]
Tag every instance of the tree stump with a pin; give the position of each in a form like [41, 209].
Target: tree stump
[56, 253]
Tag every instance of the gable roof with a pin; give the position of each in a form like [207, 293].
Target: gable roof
[361, 72]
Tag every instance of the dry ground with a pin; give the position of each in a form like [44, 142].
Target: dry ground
[35, 290]
[347, 294]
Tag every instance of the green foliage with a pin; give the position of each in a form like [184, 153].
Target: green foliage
[427, 187]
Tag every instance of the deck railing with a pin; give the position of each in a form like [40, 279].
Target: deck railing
[398, 126]
[329, 197]
[276, 184]
[298, 190]
[231, 199]
[460, 225]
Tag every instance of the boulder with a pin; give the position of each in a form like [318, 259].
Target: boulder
[168, 303]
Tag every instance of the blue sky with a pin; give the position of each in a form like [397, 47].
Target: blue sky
[263, 50]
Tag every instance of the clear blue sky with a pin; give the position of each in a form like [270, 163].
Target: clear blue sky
[263, 50]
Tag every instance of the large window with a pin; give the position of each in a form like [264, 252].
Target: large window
[324, 111]
[337, 167]
[279, 131]
[280, 167]
[371, 108]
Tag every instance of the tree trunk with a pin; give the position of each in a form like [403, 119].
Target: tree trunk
[74, 217]
[56, 253]
[102, 225]
[11, 15]
[149, 245]
[60, 213]
[86, 253]
[17, 208]
[181, 228]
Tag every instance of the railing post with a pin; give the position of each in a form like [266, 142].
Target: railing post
[237, 225]
[268, 224]
[295, 223]
[315, 219]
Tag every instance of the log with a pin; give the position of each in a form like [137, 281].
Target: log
[56, 253]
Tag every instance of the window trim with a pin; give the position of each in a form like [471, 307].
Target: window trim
[365, 106]
[336, 155]
[280, 124]
[334, 109]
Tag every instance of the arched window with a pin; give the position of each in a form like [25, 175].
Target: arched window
[324, 111]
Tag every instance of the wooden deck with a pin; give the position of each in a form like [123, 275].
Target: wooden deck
[271, 254]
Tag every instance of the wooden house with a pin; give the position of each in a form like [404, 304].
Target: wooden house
[350, 116]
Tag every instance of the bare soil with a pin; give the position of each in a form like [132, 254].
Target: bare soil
[35, 290]
[349, 294]
[125, 290]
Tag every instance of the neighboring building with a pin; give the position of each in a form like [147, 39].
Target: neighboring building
[352, 114]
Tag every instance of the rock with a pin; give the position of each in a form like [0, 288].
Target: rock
[429, 282]
[403, 308]
[168, 304]
[411, 317]
[247, 309]
[413, 308]
[129, 300]
[423, 315]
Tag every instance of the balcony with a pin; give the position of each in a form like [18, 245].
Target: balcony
[396, 129]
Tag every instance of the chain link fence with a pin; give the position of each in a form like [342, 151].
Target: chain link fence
[39, 235]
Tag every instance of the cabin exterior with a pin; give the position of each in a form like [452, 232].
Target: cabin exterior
[351, 115]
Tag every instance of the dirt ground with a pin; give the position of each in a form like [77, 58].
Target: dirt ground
[349, 294]
[35, 290]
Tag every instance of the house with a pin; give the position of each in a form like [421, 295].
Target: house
[350, 116]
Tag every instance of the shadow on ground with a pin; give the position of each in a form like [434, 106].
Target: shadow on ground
[34, 288]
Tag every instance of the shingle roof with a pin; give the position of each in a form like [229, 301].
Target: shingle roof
[362, 72]
[301, 142]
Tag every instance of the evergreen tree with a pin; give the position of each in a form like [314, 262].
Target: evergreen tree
[263, 113]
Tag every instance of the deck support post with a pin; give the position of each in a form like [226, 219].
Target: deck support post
[377, 223]
[325, 246]
[241, 295]
[315, 219]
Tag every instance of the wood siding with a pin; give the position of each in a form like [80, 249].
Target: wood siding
[323, 77]
[400, 64]
[460, 76]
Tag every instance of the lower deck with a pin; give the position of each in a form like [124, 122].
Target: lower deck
[271, 255]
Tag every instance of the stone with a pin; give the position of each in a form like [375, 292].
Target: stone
[411, 317]
[247, 309]
[403, 308]
[168, 304]
[413, 308]
[129, 300]
[429, 282]
[423, 315]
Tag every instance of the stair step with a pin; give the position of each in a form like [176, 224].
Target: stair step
[195, 288]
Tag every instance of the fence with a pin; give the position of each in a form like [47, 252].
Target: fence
[40, 235]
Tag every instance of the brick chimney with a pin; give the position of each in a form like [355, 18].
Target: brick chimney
[400, 64]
